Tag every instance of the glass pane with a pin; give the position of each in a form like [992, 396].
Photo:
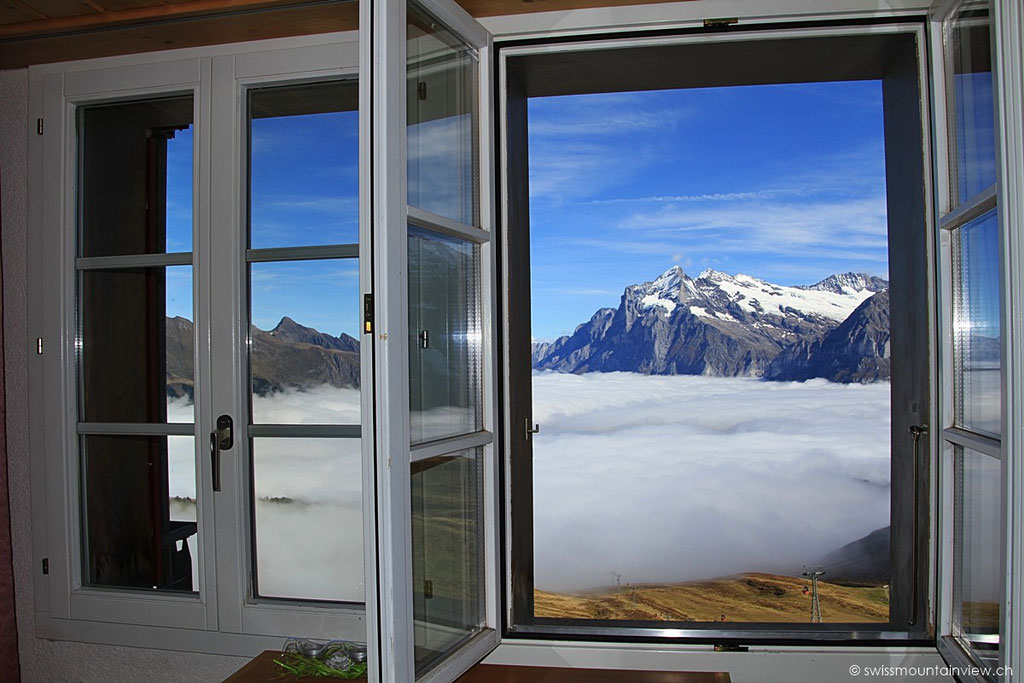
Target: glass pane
[444, 331]
[304, 165]
[308, 518]
[447, 554]
[139, 512]
[976, 328]
[441, 133]
[135, 177]
[972, 117]
[712, 370]
[978, 557]
[137, 345]
[305, 342]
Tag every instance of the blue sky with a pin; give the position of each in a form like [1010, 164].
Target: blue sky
[305, 192]
[782, 182]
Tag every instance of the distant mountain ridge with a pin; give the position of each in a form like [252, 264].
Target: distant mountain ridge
[724, 325]
[290, 356]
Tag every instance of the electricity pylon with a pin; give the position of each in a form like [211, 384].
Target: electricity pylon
[815, 605]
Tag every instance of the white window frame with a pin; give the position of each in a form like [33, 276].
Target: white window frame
[1007, 33]
[222, 617]
[393, 627]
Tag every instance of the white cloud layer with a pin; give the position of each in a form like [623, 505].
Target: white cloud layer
[665, 479]
[659, 479]
[310, 545]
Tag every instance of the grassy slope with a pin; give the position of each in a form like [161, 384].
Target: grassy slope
[748, 597]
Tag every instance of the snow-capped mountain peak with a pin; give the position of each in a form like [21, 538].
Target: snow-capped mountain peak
[718, 295]
[850, 283]
[715, 324]
[712, 275]
[663, 291]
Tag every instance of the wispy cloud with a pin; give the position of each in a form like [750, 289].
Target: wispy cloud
[707, 197]
[601, 115]
[336, 205]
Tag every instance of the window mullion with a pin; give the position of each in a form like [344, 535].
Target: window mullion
[134, 261]
[983, 444]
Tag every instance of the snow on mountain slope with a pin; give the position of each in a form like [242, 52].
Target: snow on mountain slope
[834, 298]
[715, 324]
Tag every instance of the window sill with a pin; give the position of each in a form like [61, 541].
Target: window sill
[760, 663]
[154, 637]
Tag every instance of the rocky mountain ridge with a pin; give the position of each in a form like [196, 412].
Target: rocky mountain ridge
[290, 356]
[725, 325]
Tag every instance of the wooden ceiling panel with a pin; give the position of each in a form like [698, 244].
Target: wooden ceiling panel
[15, 13]
[294, 21]
[39, 31]
[117, 5]
[59, 9]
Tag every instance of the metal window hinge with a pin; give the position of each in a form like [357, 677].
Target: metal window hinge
[421, 90]
[46, 565]
[39, 346]
[428, 589]
[367, 313]
[39, 126]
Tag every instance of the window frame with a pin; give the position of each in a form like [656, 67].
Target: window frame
[221, 617]
[393, 624]
[1005, 21]
[518, 497]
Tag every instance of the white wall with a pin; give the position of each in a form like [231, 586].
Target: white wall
[46, 660]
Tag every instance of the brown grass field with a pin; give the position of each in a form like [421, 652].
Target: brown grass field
[750, 597]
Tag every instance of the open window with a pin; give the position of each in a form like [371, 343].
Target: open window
[433, 224]
[974, 467]
[682, 450]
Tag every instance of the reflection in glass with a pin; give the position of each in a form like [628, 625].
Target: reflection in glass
[308, 518]
[444, 330]
[137, 345]
[442, 140]
[135, 177]
[972, 133]
[139, 505]
[304, 165]
[976, 327]
[304, 350]
[447, 553]
[978, 557]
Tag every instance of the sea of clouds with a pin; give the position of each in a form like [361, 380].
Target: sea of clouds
[308, 511]
[679, 478]
[651, 478]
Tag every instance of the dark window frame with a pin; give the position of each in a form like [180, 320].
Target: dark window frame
[893, 54]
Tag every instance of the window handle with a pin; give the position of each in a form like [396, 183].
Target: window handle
[531, 429]
[221, 439]
[916, 431]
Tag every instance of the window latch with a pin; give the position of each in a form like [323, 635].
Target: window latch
[221, 439]
[531, 428]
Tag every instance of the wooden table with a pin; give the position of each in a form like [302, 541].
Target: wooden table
[262, 669]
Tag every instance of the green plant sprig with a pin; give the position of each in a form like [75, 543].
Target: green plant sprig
[301, 665]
